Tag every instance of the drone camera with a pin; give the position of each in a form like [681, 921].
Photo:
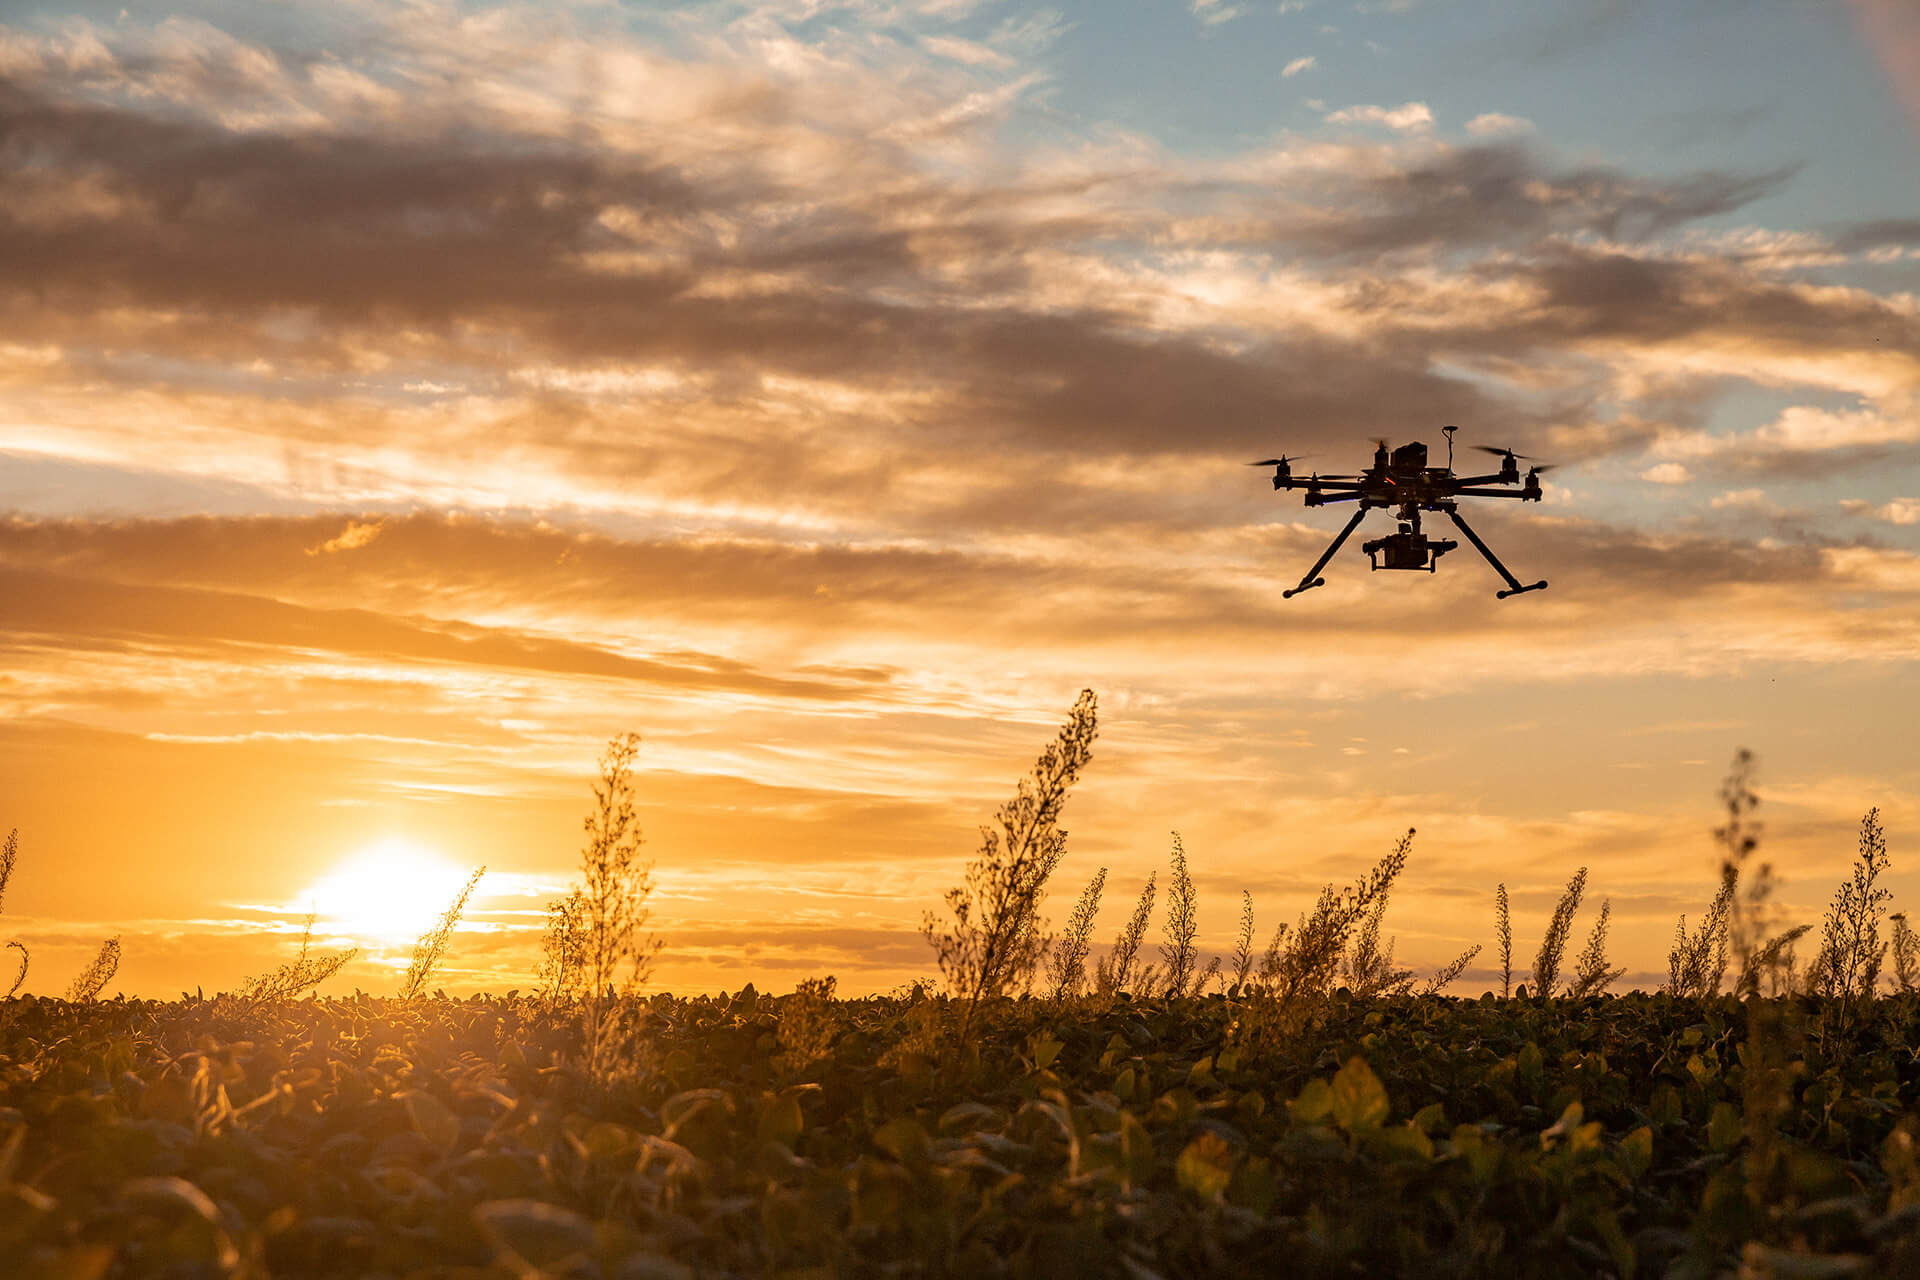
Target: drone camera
[1407, 550]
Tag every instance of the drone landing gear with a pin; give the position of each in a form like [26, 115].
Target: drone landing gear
[1513, 583]
[1312, 579]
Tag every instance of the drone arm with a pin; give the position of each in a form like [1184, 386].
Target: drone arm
[1513, 583]
[1524, 495]
[1312, 579]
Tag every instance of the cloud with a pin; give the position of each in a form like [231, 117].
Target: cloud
[1410, 116]
[1667, 473]
[1212, 13]
[1900, 511]
[356, 534]
[1298, 65]
[1492, 123]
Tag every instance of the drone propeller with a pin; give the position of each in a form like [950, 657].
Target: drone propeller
[1542, 468]
[1280, 461]
[1502, 453]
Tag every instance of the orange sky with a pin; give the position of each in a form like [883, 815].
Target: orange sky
[384, 426]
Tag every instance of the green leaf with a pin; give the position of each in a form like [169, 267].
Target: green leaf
[1401, 1141]
[965, 1117]
[1564, 1127]
[431, 1119]
[1636, 1151]
[1123, 1085]
[1205, 1167]
[781, 1121]
[1359, 1099]
[905, 1141]
[1043, 1048]
[1723, 1127]
[1430, 1119]
[1314, 1104]
[1136, 1151]
[1254, 1186]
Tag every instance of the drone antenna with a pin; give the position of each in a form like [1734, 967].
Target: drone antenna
[1448, 431]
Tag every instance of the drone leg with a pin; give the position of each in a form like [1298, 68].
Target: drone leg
[1311, 580]
[1494, 560]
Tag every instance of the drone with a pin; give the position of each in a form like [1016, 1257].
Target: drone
[1402, 479]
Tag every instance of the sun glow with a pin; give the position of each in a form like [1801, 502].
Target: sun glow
[385, 894]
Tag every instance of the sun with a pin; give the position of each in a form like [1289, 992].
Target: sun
[386, 893]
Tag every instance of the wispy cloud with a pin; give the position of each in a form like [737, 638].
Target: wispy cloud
[1409, 116]
[1214, 12]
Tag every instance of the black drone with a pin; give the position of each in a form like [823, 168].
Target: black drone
[1401, 478]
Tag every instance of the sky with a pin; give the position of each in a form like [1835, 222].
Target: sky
[400, 400]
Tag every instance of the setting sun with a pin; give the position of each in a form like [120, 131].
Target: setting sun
[385, 894]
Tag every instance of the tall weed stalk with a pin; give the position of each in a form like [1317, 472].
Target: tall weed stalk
[993, 940]
[1182, 925]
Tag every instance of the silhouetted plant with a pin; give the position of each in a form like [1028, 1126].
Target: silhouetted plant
[1774, 1039]
[1115, 972]
[1369, 966]
[432, 944]
[1546, 965]
[1851, 953]
[1274, 958]
[1207, 976]
[994, 936]
[1697, 963]
[1307, 964]
[295, 978]
[1067, 964]
[1182, 924]
[1591, 976]
[1503, 933]
[597, 947]
[807, 1025]
[1243, 946]
[563, 949]
[1451, 973]
[1906, 954]
[9, 851]
[1764, 961]
[94, 978]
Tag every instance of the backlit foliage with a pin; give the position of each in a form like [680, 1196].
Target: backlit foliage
[993, 940]
[1177, 953]
[1503, 934]
[809, 1020]
[1851, 952]
[304, 973]
[1243, 943]
[1404, 1136]
[1116, 971]
[1553, 947]
[9, 852]
[1697, 964]
[1306, 961]
[432, 945]
[93, 979]
[1067, 961]
[598, 954]
[1591, 974]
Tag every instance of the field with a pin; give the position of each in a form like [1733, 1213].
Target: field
[750, 1135]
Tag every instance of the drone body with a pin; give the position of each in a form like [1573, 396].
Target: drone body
[1401, 479]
